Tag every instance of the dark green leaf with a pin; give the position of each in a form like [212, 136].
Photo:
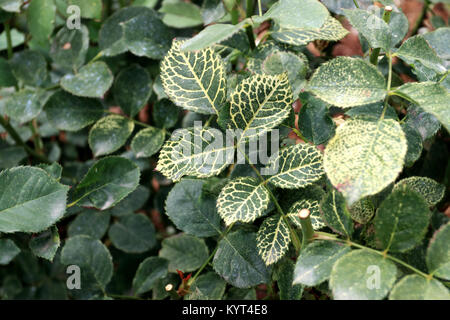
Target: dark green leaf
[438, 255]
[45, 244]
[24, 105]
[208, 286]
[41, 19]
[69, 47]
[149, 272]
[91, 223]
[29, 67]
[335, 213]
[8, 251]
[147, 142]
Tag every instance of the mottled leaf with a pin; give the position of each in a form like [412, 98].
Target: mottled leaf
[432, 191]
[335, 213]
[273, 239]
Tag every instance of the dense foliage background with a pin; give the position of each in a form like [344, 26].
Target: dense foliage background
[92, 90]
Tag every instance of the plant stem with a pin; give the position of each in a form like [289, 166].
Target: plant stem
[356, 3]
[375, 52]
[234, 14]
[16, 137]
[38, 144]
[259, 8]
[250, 7]
[331, 237]
[307, 229]
[8, 39]
[388, 86]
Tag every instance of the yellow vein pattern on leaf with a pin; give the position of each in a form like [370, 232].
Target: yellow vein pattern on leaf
[259, 104]
[313, 207]
[243, 199]
[273, 239]
[364, 157]
[194, 80]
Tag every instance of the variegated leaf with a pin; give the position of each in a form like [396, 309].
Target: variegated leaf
[194, 80]
[194, 151]
[364, 157]
[243, 199]
[332, 30]
[362, 211]
[259, 104]
[296, 166]
[430, 96]
[273, 239]
[431, 191]
[313, 206]
[335, 213]
[347, 82]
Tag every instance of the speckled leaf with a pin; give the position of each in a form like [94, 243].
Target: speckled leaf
[362, 275]
[425, 123]
[199, 215]
[362, 210]
[41, 16]
[109, 134]
[91, 223]
[296, 166]
[194, 151]
[29, 67]
[184, 252]
[238, 262]
[432, 191]
[208, 286]
[107, 182]
[8, 251]
[432, 97]
[438, 255]
[415, 146]
[335, 213]
[273, 239]
[147, 142]
[194, 80]
[45, 244]
[24, 105]
[260, 103]
[316, 260]
[364, 157]
[132, 88]
[148, 273]
[180, 14]
[71, 113]
[54, 169]
[347, 82]
[418, 50]
[331, 30]
[92, 257]
[401, 220]
[26, 208]
[284, 274]
[69, 47]
[93, 80]
[415, 287]
[133, 233]
[243, 199]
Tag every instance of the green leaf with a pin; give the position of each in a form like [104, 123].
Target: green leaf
[93, 259]
[180, 14]
[90, 9]
[432, 97]
[137, 29]
[8, 251]
[432, 191]
[109, 134]
[165, 114]
[362, 211]
[132, 89]
[296, 166]
[194, 80]
[377, 32]
[29, 67]
[243, 199]
[199, 215]
[438, 40]
[208, 286]
[273, 239]
[11, 5]
[316, 260]
[184, 252]
[148, 273]
[54, 170]
[331, 30]
[335, 213]
[362, 275]
[298, 13]
[133, 202]
[284, 274]
[260, 103]
[133, 233]
[147, 142]
[93, 80]
[438, 255]
[415, 146]
[194, 151]
[45, 244]
[107, 182]
[425, 123]
[71, 113]
[417, 50]
[91, 223]
[402, 220]
[31, 200]
[41, 16]
[314, 122]
[415, 287]
[24, 105]
[211, 35]
[347, 82]
[69, 47]
[10, 156]
[238, 262]
[364, 157]
[6, 77]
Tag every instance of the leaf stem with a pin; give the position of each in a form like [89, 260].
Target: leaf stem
[356, 3]
[307, 228]
[8, 39]
[388, 86]
[376, 52]
[259, 8]
[38, 144]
